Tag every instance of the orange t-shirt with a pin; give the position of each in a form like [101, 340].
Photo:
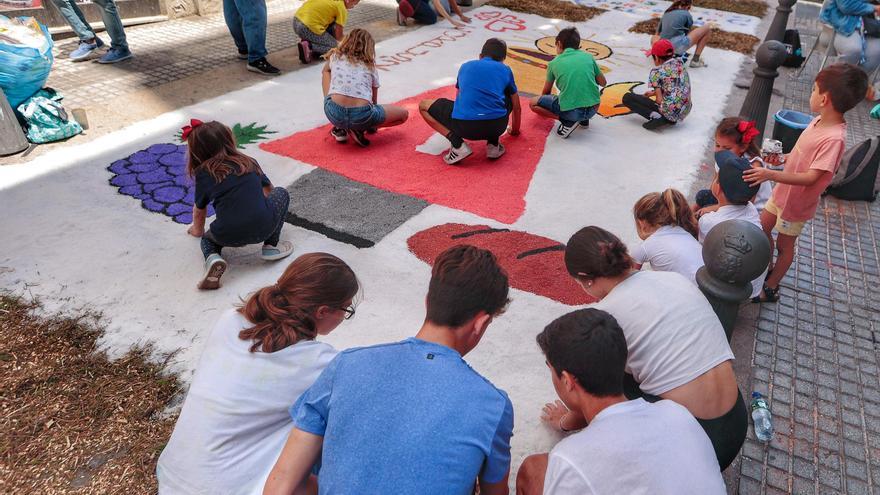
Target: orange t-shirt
[818, 148]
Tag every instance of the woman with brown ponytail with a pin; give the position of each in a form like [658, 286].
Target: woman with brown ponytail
[257, 361]
[668, 229]
[677, 349]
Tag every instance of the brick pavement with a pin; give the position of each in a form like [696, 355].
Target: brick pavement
[175, 49]
[816, 352]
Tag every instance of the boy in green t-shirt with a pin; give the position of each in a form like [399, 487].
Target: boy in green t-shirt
[577, 76]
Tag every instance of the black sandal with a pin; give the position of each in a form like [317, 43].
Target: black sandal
[768, 295]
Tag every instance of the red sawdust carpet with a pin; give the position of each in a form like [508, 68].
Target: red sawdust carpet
[533, 263]
[490, 188]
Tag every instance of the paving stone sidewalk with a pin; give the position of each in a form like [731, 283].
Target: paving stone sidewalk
[179, 48]
[816, 352]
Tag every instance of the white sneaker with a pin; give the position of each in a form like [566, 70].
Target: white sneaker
[215, 266]
[696, 64]
[564, 131]
[273, 253]
[456, 155]
[494, 152]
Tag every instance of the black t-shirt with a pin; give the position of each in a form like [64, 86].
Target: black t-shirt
[242, 210]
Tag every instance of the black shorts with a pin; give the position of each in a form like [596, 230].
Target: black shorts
[727, 432]
[473, 130]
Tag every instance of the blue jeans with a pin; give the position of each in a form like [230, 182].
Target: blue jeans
[246, 20]
[353, 118]
[568, 117]
[423, 14]
[109, 14]
[680, 43]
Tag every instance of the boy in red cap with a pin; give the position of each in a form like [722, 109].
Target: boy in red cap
[670, 89]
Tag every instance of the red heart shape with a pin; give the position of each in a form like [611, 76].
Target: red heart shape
[506, 23]
[490, 188]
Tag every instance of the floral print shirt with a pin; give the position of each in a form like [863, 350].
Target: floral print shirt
[672, 79]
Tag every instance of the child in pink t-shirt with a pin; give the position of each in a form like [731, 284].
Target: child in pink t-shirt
[808, 168]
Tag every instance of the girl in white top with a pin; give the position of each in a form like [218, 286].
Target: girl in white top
[668, 229]
[677, 348]
[741, 137]
[351, 90]
[257, 361]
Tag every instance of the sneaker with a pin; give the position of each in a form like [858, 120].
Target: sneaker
[115, 55]
[585, 123]
[341, 135]
[242, 55]
[697, 63]
[456, 155]
[305, 51]
[215, 266]
[262, 66]
[493, 152]
[564, 131]
[359, 138]
[85, 49]
[273, 253]
[654, 124]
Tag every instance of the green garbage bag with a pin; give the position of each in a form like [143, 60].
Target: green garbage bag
[47, 120]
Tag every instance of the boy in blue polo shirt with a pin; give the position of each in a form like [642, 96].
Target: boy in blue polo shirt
[487, 96]
[412, 416]
[578, 77]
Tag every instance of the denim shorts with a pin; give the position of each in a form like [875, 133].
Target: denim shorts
[353, 118]
[680, 43]
[568, 117]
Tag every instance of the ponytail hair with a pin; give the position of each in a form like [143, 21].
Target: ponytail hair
[669, 207]
[594, 252]
[284, 313]
[741, 131]
[680, 5]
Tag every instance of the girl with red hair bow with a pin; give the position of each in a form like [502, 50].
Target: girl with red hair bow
[248, 209]
[741, 137]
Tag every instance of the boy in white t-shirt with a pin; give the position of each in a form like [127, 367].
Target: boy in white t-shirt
[734, 200]
[632, 447]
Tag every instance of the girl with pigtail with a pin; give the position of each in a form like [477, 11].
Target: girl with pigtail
[257, 361]
[668, 229]
[676, 347]
[739, 136]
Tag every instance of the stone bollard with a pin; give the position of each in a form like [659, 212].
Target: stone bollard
[780, 21]
[735, 252]
[769, 57]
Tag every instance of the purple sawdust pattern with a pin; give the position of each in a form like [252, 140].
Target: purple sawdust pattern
[156, 176]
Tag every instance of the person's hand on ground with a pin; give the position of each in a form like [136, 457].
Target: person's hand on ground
[455, 23]
[465, 18]
[757, 175]
[553, 413]
[512, 132]
[195, 231]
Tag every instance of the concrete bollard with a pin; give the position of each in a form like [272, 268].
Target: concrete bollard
[769, 57]
[735, 252]
[780, 20]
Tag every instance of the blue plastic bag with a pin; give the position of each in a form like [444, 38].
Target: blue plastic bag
[25, 57]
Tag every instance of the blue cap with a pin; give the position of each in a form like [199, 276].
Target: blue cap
[730, 177]
[756, 395]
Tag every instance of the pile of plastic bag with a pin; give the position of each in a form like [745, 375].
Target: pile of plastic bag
[25, 57]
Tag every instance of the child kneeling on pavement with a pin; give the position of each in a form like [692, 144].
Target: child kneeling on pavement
[577, 76]
[351, 90]
[248, 209]
[319, 24]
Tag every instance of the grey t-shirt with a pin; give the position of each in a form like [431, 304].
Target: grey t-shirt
[675, 23]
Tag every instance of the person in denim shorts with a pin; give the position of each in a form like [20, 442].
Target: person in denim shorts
[577, 76]
[351, 89]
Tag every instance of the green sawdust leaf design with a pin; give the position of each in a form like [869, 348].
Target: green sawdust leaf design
[248, 134]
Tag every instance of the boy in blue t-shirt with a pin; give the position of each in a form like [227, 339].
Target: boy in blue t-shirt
[411, 416]
[578, 77]
[487, 96]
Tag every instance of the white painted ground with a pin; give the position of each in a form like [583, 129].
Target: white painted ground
[70, 239]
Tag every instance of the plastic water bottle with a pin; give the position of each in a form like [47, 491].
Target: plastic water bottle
[761, 417]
